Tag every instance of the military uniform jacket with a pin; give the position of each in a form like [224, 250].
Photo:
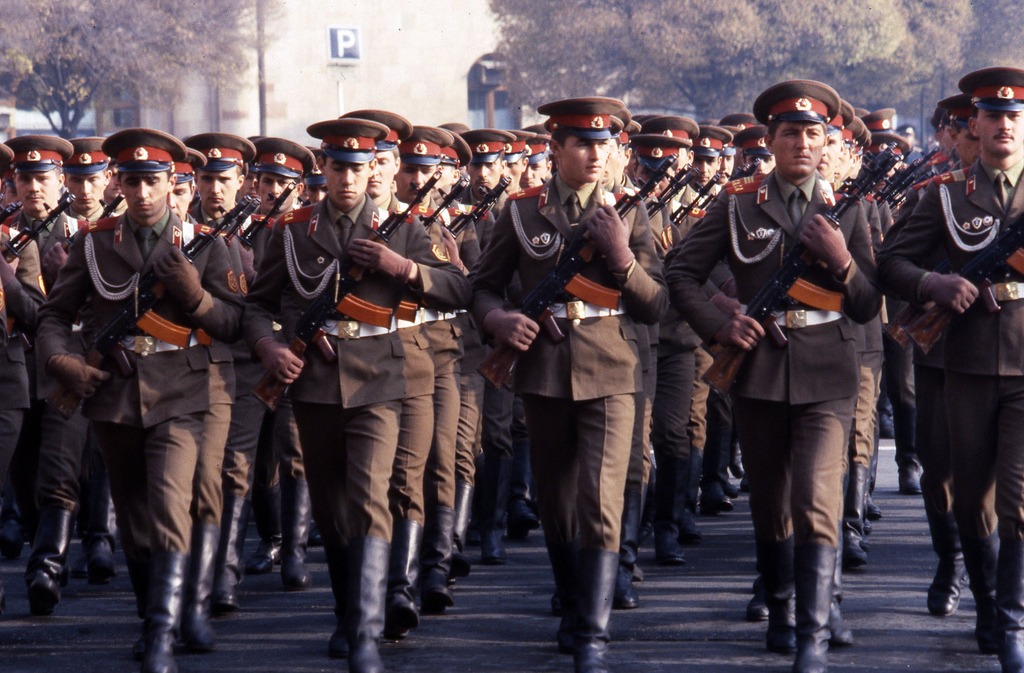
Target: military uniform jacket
[599, 356]
[751, 230]
[19, 302]
[101, 265]
[959, 215]
[368, 370]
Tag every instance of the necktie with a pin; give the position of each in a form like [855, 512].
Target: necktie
[795, 211]
[572, 209]
[147, 241]
[1003, 189]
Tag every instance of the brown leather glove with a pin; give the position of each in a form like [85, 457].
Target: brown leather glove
[7, 271]
[180, 278]
[278, 359]
[379, 257]
[451, 247]
[54, 259]
[610, 235]
[75, 374]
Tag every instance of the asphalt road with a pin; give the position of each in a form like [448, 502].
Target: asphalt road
[691, 617]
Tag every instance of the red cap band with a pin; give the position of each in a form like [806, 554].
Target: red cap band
[754, 142]
[421, 149]
[144, 154]
[183, 168]
[713, 143]
[539, 149]
[879, 124]
[581, 121]
[32, 156]
[488, 148]
[351, 143]
[515, 147]
[281, 159]
[88, 158]
[223, 154]
[803, 104]
[450, 153]
[847, 135]
[1003, 92]
[656, 152]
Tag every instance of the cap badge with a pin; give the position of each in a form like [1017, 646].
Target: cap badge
[508, 148]
[33, 155]
[419, 148]
[667, 132]
[213, 153]
[140, 154]
[886, 123]
[760, 142]
[481, 149]
[597, 123]
[1004, 92]
[656, 153]
[802, 104]
[705, 142]
[279, 158]
[350, 143]
[85, 158]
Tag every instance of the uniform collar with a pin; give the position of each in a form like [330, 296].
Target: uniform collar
[786, 188]
[353, 215]
[583, 193]
[157, 228]
[1012, 173]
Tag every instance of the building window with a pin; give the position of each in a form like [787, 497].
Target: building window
[489, 105]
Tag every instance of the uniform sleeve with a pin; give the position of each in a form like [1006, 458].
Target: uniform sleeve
[492, 273]
[67, 297]
[862, 301]
[220, 311]
[901, 261]
[441, 284]
[24, 294]
[644, 293]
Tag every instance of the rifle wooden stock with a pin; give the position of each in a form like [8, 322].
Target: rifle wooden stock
[898, 326]
[722, 373]
[498, 364]
[67, 402]
[269, 389]
[812, 295]
[926, 331]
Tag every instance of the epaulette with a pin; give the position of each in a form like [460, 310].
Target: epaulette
[958, 175]
[527, 193]
[299, 215]
[203, 228]
[698, 213]
[4, 229]
[422, 211]
[106, 224]
[9, 222]
[744, 185]
[619, 196]
[939, 158]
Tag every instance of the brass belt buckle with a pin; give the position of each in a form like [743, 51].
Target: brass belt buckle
[144, 345]
[1008, 291]
[348, 329]
[275, 326]
[796, 319]
[421, 315]
[575, 311]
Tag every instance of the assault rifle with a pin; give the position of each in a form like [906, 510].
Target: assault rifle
[565, 279]
[896, 187]
[9, 210]
[247, 234]
[679, 182]
[786, 285]
[486, 202]
[451, 197]
[136, 312]
[328, 305]
[16, 244]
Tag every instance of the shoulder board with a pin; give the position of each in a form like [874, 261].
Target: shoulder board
[5, 230]
[618, 196]
[299, 215]
[697, 212]
[744, 185]
[952, 176]
[527, 193]
[203, 228]
[940, 158]
[106, 224]
[422, 211]
[870, 198]
[9, 222]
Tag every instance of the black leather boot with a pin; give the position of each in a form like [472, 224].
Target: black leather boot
[689, 533]
[1010, 605]
[521, 517]
[775, 559]
[436, 561]
[337, 568]
[163, 610]
[228, 573]
[854, 556]
[944, 592]
[138, 573]
[463, 511]
[757, 609]
[594, 608]
[814, 568]
[565, 559]
[12, 527]
[840, 634]
[494, 495]
[400, 614]
[981, 558]
[49, 556]
[626, 597]
[101, 530]
[196, 632]
[295, 513]
[367, 586]
[872, 512]
[266, 510]
[670, 495]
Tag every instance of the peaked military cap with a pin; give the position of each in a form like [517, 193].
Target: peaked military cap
[958, 107]
[222, 150]
[801, 100]
[89, 157]
[652, 148]
[144, 150]
[741, 119]
[6, 155]
[677, 127]
[538, 148]
[34, 154]
[880, 120]
[282, 157]
[315, 176]
[424, 146]
[185, 171]
[487, 144]
[399, 128]
[711, 141]
[589, 118]
[752, 141]
[349, 139]
[881, 139]
[1000, 89]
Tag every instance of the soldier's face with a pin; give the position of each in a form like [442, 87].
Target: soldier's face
[580, 161]
[346, 182]
[181, 197]
[113, 189]
[968, 145]
[535, 174]
[145, 195]
[707, 166]
[316, 193]
[727, 165]
[383, 178]
[217, 191]
[88, 191]
[797, 147]
[485, 174]
[829, 164]
[38, 191]
[516, 169]
[1001, 134]
[411, 178]
[272, 186]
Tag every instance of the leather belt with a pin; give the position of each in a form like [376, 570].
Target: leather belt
[1009, 291]
[353, 329]
[800, 318]
[145, 345]
[425, 315]
[580, 310]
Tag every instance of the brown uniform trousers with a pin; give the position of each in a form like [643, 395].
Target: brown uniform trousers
[579, 394]
[348, 454]
[149, 425]
[793, 404]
